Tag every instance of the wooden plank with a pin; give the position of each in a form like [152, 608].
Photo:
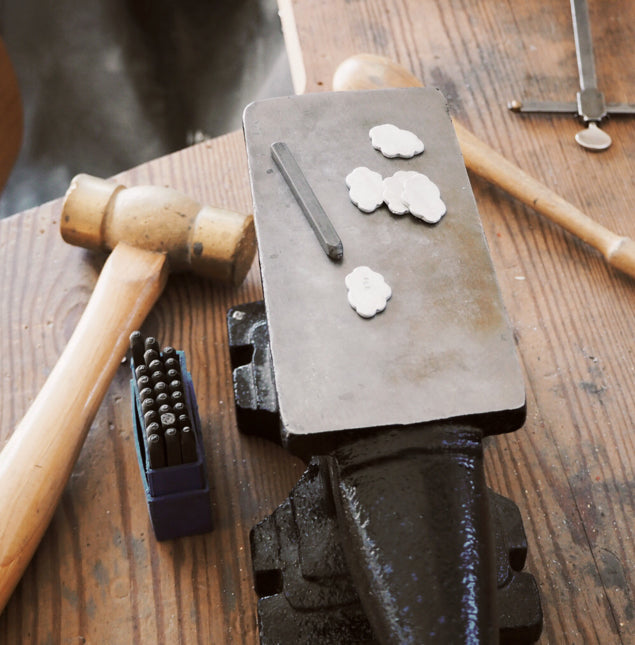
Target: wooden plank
[571, 468]
[99, 575]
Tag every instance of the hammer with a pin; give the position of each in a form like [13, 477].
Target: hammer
[369, 71]
[150, 230]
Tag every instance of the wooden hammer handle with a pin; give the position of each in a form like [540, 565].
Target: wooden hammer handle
[367, 71]
[38, 459]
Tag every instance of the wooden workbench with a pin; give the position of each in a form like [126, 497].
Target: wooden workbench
[99, 576]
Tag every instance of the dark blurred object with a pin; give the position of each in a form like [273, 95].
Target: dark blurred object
[11, 122]
[107, 85]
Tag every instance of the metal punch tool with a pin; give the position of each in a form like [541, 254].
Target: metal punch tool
[590, 105]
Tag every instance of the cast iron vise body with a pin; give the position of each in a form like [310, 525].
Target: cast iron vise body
[307, 591]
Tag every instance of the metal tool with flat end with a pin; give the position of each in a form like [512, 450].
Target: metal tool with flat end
[593, 138]
[400, 402]
[590, 105]
[311, 207]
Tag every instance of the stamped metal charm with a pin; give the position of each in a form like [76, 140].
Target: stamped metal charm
[392, 141]
[393, 191]
[368, 292]
[423, 198]
[365, 188]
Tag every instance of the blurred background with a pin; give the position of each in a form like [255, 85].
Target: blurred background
[109, 84]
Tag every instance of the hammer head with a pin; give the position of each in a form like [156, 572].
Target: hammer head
[214, 243]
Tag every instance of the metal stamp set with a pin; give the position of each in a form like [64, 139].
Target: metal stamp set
[168, 440]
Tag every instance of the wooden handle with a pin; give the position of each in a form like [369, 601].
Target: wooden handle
[367, 71]
[38, 459]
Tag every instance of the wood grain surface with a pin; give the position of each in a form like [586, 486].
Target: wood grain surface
[571, 468]
[100, 577]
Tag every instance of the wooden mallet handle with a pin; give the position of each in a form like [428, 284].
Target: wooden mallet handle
[38, 459]
[368, 71]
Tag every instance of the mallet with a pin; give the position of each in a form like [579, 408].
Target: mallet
[150, 231]
[368, 71]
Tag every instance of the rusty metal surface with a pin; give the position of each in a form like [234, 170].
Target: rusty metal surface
[443, 347]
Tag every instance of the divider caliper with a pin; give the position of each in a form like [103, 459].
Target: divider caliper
[590, 105]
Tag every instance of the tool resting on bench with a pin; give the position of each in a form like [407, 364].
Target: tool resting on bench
[150, 230]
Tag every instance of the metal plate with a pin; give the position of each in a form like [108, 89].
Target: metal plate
[443, 347]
